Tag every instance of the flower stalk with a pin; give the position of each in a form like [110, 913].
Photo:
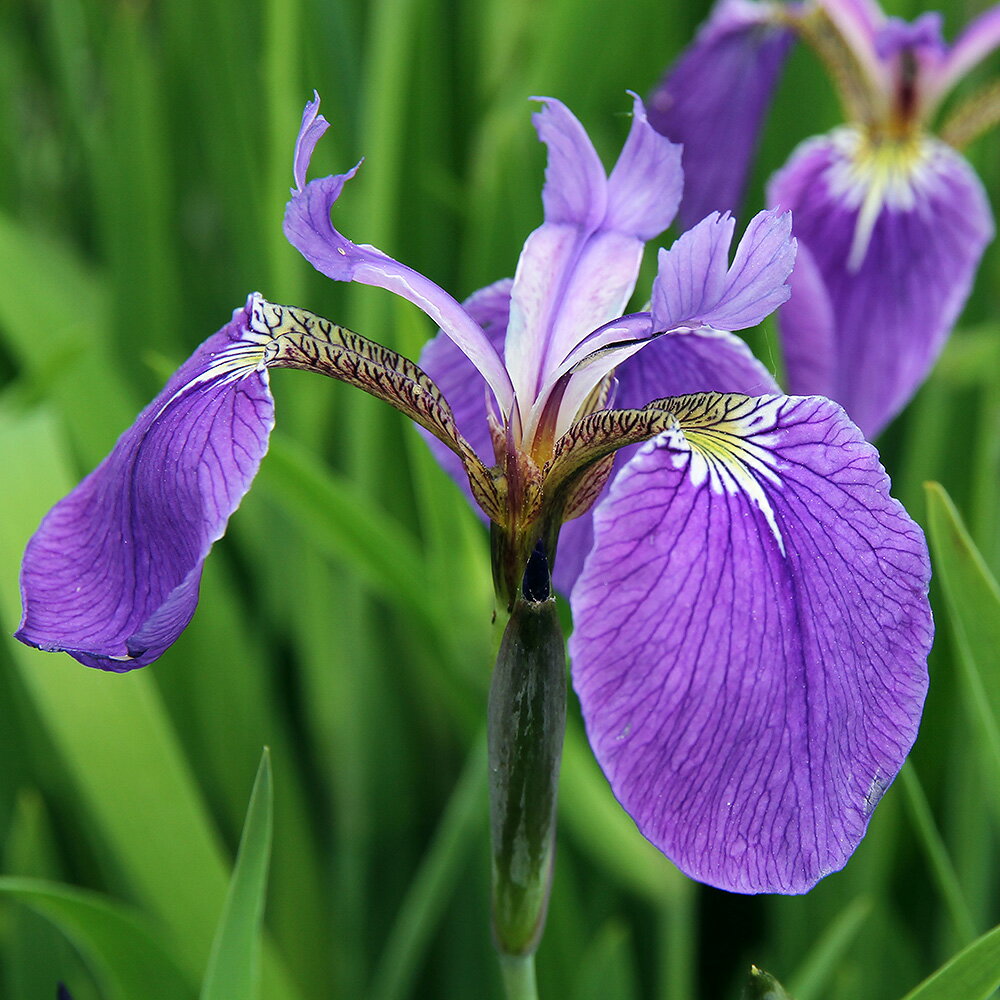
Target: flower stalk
[527, 719]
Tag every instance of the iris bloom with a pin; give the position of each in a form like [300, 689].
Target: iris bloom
[751, 619]
[891, 220]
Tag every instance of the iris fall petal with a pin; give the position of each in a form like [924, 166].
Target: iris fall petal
[896, 263]
[112, 574]
[713, 102]
[751, 632]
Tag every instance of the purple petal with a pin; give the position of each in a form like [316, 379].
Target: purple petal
[751, 633]
[714, 99]
[645, 186]
[673, 365]
[311, 131]
[112, 574]
[897, 36]
[812, 352]
[897, 263]
[575, 188]
[309, 229]
[578, 270]
[694, 285]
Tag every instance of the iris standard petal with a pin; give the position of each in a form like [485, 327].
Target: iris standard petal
[575, 189]
[896, 236]
[714, 99]
[695, 285]
[309, 229]
[112, 574]
[577, 271]
[673, 365]
[751, 633]
[645, 186]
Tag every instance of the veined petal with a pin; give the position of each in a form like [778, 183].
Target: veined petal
[678, 364]
[577, 271]
[112, 574]
[714, 99]
[694, 285]
[751, 633]
[310, 230]
[575, 190]
[896, 235]
[694, 288]
[645, 186]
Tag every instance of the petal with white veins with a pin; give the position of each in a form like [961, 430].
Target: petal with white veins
[750, 643]
[896, 235]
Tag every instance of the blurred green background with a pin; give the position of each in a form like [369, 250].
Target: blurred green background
[145, 159]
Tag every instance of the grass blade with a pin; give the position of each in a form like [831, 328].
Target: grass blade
[234, 965]
[973, 974]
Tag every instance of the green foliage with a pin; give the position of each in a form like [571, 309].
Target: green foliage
[145, 159]
[234, 965]
[973, 974]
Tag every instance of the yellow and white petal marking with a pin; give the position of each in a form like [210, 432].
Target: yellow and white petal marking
[872, 173]
[728, 442]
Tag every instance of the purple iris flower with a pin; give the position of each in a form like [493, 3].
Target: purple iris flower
[750, 604]
[891, 220]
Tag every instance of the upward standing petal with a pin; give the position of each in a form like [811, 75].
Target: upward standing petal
[578, 270]
[713, 101]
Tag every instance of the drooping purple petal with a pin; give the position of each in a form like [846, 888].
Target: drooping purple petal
[112, 574]
[310, 230]
[896, 245]
[695, 285]
[674, 365]
[577, 270]
[751, 633]
[714, 99]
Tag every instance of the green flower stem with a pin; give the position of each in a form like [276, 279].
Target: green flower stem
[527, 719]
[519, 977]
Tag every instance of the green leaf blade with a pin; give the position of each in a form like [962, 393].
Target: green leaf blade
[234, 965]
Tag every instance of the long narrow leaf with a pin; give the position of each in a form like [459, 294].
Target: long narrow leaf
[233, 968]
[973, 601]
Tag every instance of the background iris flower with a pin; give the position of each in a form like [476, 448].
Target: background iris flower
[891, 220]
[751, 616]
